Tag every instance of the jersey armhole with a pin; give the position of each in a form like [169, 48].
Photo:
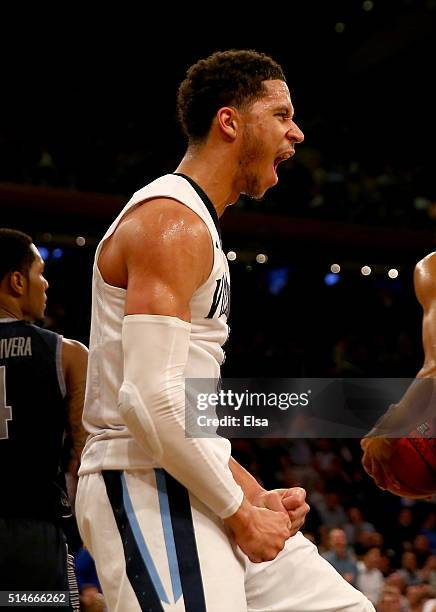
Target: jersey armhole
[59, 368]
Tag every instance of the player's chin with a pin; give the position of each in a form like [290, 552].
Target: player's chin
[275, 177]
[264, 188]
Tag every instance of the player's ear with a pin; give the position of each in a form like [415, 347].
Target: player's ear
[228, 122]
[17, 282]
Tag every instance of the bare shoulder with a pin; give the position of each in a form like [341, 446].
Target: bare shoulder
[155, 236]
[427, 263]
[425, 278]
[161, 223]
[73, 347]
[167, 240]
[74, 355]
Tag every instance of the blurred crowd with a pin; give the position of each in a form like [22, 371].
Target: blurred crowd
[315, 185]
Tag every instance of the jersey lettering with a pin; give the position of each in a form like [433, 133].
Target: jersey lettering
[221, 299]
[18, 346]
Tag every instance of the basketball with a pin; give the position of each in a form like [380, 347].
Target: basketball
[413, 462]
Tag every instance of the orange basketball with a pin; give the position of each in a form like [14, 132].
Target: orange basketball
[413, 462]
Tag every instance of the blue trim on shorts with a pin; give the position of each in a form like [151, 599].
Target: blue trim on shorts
[142, 546]
[168, 533]
[136, 569]
[186, 545]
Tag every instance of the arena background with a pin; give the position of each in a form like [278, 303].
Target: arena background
[88, 117]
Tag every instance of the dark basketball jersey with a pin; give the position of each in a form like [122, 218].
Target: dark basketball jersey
[32, 420]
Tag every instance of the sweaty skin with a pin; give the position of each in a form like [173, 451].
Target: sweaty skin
[240, 154]
[159, 284]
[418, 404]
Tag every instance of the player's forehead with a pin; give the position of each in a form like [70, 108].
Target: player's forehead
[38, 261]
[276, 96]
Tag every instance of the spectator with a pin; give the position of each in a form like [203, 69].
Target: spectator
[91, 600]
[428, 572]
[85, 570]
[397, 581]
[369, 577]
[402, 533]
[417, 595]
[428, 528]
[332, 512]
[356, 524]
[340, 557]
[390, 600]
[409, 568]
[421, 548]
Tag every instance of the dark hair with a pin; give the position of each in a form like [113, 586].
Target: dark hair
[15, 252]
[226, 78]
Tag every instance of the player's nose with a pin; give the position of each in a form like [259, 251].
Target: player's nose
[295, 134]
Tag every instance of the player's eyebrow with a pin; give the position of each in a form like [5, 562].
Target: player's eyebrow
[284, 108]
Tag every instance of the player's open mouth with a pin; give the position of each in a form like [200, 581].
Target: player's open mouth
[281, 158]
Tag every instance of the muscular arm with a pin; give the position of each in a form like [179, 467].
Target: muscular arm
[161, 254]
[418, 403]
[425, 289]
[74, 363]
[252, 489]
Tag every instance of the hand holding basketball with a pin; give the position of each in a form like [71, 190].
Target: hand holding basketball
[377, 453]
[405, 466]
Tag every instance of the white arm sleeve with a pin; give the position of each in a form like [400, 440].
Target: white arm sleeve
[152, 403]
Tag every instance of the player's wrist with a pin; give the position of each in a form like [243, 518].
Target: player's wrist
[255, 497]
[241, 518]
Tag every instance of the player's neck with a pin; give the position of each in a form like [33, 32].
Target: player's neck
[210, 170]
[10, 311]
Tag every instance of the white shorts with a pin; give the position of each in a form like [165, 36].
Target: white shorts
[159, 549]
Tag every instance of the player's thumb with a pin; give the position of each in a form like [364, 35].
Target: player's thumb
[274, 502]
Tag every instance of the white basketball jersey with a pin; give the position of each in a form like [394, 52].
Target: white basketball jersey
[110, 444]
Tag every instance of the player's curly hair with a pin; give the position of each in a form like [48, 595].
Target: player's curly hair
[226, 78]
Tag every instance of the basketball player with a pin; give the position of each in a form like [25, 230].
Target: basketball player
[418, 404]
[42, 381]
[174, 523]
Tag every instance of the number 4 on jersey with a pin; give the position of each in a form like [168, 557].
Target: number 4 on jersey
[5, 411]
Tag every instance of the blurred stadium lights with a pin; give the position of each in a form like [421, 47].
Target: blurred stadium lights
[277, 279]
[331, 278]
[44, 252]
[63, 240]
[57, 253]
[378, 269]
